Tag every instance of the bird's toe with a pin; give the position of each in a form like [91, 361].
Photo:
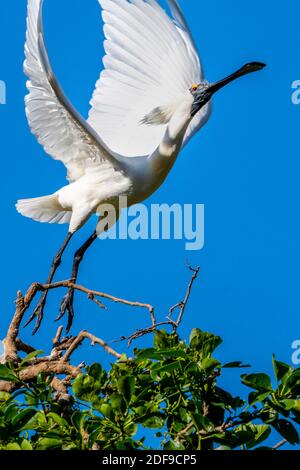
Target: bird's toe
[66, 307]
[37, 314]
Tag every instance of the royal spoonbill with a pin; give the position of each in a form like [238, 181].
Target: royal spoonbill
[151, 98]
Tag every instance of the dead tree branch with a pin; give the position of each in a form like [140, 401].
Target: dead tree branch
[58, 362]
[94, 340]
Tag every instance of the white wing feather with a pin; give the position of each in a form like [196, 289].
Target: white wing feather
[201, 117]
[58, 127]
[150, 62]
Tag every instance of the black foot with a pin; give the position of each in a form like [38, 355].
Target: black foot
[38, 314]
[66, 306]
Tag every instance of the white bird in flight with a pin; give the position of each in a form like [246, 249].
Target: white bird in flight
[151, 98]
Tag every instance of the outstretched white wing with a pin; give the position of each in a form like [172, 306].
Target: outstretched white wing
[58, 127]
[150, 62]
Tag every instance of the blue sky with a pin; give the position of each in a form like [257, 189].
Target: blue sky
[244, 166]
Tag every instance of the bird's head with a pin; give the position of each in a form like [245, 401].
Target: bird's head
[202, 92]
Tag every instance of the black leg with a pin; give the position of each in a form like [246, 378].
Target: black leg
[39, 310]
[67, 302]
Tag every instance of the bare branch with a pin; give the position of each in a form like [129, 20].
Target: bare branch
[93, 294]
[31, 372]
[94, 340]
[10, 345]
[57, 339]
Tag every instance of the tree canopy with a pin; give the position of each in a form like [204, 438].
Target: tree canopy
[171, 389]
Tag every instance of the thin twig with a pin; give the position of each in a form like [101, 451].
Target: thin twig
[170, 322]
[172, 309]
[184, 303]
[280, 444]
[97, 301]
[143, 332]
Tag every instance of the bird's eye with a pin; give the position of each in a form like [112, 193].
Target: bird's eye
[194, 87]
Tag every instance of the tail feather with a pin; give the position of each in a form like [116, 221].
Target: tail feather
[44, 209]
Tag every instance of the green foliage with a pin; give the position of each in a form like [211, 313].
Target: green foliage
[171, 389]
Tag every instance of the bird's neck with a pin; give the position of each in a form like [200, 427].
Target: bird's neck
[164, 157]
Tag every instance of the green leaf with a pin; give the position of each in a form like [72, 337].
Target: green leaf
[58, 419]
[86, 387]
[10, 412]
[172, 353]
[69, 446]
[149, 353]
[131, 429]
[164, 340]
[224, 397]
[172, 366]
[257, 397]
[95, 371]
[288, 404]
[260, 382]
[36, 422]
[154, 422]
[297, 405]
[196, 336]
[78, 420]
[241, 435]
[203, 342]
[126, 387]
[118, 403]
[280, 369]
[41, 378]
[262, 432]
[47, 443]
[107, 411]
[4, 396]
[7, 374]
[13, 446]
[22, 418]
[173, 445]
[209, 364]
[31, 400]
[293, 379]
[25, 445]
[287, 430]
[201, 422]
[32, 356]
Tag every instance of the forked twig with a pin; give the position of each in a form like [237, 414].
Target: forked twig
[170, 322]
